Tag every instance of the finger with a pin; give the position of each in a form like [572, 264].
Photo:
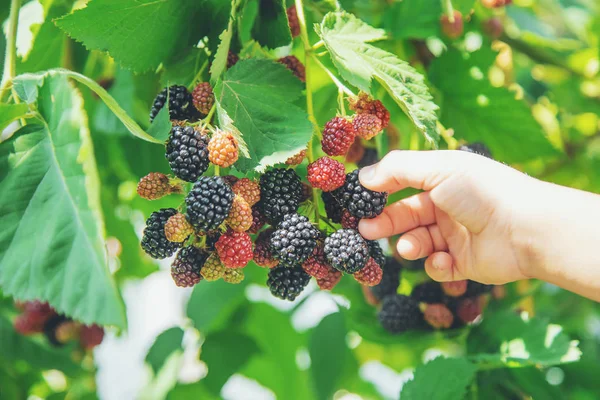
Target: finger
[401, 169]
[400, 217]
[421, 242]
[440, 267]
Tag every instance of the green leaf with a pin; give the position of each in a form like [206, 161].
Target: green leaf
[273, 128]
[477, 111]
[347, 40]
[225, 353]
[123, 91]
[165, 344]
[440, 379]
[212, 303]
[12, 112]
[195, 390]
[220, 62]
[414, 19]
[51, 242]
[271, 28]
[161, 125]
[26, 86]
[183, 70]
[328, 354]
[139, 34]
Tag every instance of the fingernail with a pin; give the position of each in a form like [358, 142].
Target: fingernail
[403, 246]
[366, 173]
[436, 263]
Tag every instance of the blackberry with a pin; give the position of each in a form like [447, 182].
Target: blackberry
[453, 29]
[91, 336]
[181, 106]
[156, 185]
[203, 97]
[346, 251]
[477, 148]
[438, 316]
[338, 136]
[367, 126]
[233, 275]
[370, 275]
[469, 309]
[360, 201]
[296, 159]
[390, 279]
[292, 15]
[295, 66]
[363, 104]
[399, 314]
[317, 265]
[280, 191]
[428, 292]
[186, 267]
[187, 152]
[333, 209]
[154, 240]
[349, 221]
[294, 240]
[177, 228]
[234, 249]
[476, 289]
[262, 255]
[258, 219]
[287, 283]
[211, 239]
[240, 217]
[248, 190]
[232, 59]
[209, 203]
[213, 268]
[376, 252]
[328, 283]
[369, 157]
[356, 151]
[51, 326]
[223, 149]
[455, 288]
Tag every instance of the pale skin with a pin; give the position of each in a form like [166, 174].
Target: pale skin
[481, 220]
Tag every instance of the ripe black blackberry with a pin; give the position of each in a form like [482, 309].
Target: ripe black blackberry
[187, 152]
[154, 241]
[477, 148]
[428, 292]
[346, 251]
[333, 209]
[399, 314]
[287, 283]
[280, 191]
[389, 281]
[186, 267]
[376, 252]
[294, 240]
[475, 289]
[181, 106]
[209, 203]
[360, 201]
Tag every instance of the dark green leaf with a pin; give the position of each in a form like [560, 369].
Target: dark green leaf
[440, 379]
[414, 19]
[165, 344]
[161, 125]
[11, 112]
[196, 390]
[123, 91]
[271, 27]
[212, 303]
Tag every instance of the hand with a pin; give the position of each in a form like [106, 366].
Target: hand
[468, 220]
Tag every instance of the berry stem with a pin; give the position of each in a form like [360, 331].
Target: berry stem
[335, 80]
[318, 45]
[447, 136]
[198, 74]
[341, 103]
[448, 9]
[206, 121]
[11, 49]
[217, 170]
[327, 222]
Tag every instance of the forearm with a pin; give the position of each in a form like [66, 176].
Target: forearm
[559, 240]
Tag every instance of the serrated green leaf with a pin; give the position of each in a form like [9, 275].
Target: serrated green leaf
[258, 95]
[211, 304]
[440, 379]
[51, 242]
[139, 34]
[414, 19]
[11, 112]
[123, 91]
[358, 62]
[220, 62]
[183, 70]
[164, 345]
[271, 28]
[161, 125]
[225, 353]
[329, 354]
[479, 112]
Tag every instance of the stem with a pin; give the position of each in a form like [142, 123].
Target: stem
[217, 170]
[335, 80]
[449, 10]
[10, 57]
[341, 103]
[309, 99]
[318, 45]
[206, 120]
[327, 222]
[198, 74]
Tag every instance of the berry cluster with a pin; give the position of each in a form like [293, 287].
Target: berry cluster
[37, 317]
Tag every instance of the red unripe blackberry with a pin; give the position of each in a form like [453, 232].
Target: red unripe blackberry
[203, 97]
[181, 105]
[294, 240]
[213, 268]
[454, 289]
[360, 201]
[293, 64]
[296, 159]
[154, 240]
[338, 136]
[326, 174]
[155, 185]
[356, 151]
[32, 321]
[469, 309]
[428, 292]
[258, 219]
[370, 274]
[399, 314]
[186, 267]
[333, 209]
[346, 251]
[234, 249]
[438, 316]
[349, 221]
[187, 152]
[223, 149]
[493, 27]
[316, 265]
[209, 203]
[292, 15]
[495, 3]
[333, 278]
[280, 192]
[177, 228]
[452, 29]
[287, 283]
[367, 126]
[248, 190]
[91, 336]
[232, 59]
[263, 256]
[240, 217]
[363, 104]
